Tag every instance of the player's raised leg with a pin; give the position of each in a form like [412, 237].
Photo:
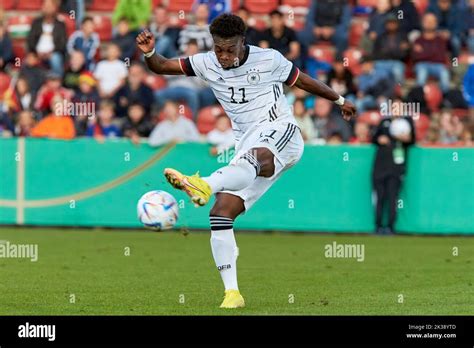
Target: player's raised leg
[233, 177]
[224, 247]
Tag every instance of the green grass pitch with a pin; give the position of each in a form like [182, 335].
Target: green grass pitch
[283, 274]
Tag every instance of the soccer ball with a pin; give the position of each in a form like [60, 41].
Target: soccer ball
[399, 126]
[157, 210]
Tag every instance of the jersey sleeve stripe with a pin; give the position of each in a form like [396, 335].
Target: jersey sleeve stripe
[186, 66]
[293, 76]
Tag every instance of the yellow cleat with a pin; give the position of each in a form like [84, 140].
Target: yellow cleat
[193, 185]
[233, 299]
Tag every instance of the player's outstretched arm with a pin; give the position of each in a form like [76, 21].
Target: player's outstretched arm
[321, 89]
[155, 62]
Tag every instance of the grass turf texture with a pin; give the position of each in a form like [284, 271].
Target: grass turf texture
[91, 264]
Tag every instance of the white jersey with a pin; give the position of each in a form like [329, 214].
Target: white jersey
[251, 93]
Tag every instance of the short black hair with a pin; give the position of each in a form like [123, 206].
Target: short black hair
[87, 19]
[227, 25]
[276, 13]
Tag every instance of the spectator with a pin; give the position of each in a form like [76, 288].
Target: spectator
[24, 124]
[86, 41]
[334, 138]
[390, 166]
[449, 23]
[468, 85]
[76, 66]
[7, 128]
[104, 127]
[450, 129]
[6, 47]
[175, 127]
[52, 88]
[216, 7]
[340, 79]
[328, 121]
[165, 35]
[195, 92]
[221, 137]
[252, 35]
[198, 29]
[86, 95]
[56, 125]
[304, 120]
[469, 26]
[48, 38]
[361, 133]
[328, 20]
[136, 12]
[430, 54]
[134, 91]
[136, 125]
[33, 72]
[377, 23]
[374, 86]
[125, 40]
[407, 15]
[391, 48]
[20, 98]
[111, 72]
[281, 38]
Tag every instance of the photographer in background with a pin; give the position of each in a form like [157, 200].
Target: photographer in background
[393, 136]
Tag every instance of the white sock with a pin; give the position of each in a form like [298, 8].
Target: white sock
[235, 177]
[224, 250]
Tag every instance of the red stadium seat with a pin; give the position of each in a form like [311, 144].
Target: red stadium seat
[322, 53]
[4, 83]
[180, 5]
[370, 117]
[297, 23]
[102, 5]
[259, 22]
[421, 5]
[29, 4]
[155, 82]
[206, 118]
[69, 22]
[296, 3]
[352, 56]
[357, 30]
[103, 27]
[433, 95]
[19, 49]
[8, 4]
[422, 124]
[367, 3]
[261, 6]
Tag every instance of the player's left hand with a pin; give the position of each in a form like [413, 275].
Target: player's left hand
[348, 110]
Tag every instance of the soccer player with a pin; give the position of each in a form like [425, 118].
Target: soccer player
[248, 82]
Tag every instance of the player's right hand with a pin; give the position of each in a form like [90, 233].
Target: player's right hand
[145, 41]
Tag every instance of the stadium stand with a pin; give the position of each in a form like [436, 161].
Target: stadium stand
[17, 17]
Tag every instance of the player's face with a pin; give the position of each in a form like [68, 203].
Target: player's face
[229, 51]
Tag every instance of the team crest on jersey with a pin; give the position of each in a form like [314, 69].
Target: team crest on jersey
[253, 77]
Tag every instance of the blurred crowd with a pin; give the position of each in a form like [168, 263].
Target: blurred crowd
[70, 83]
